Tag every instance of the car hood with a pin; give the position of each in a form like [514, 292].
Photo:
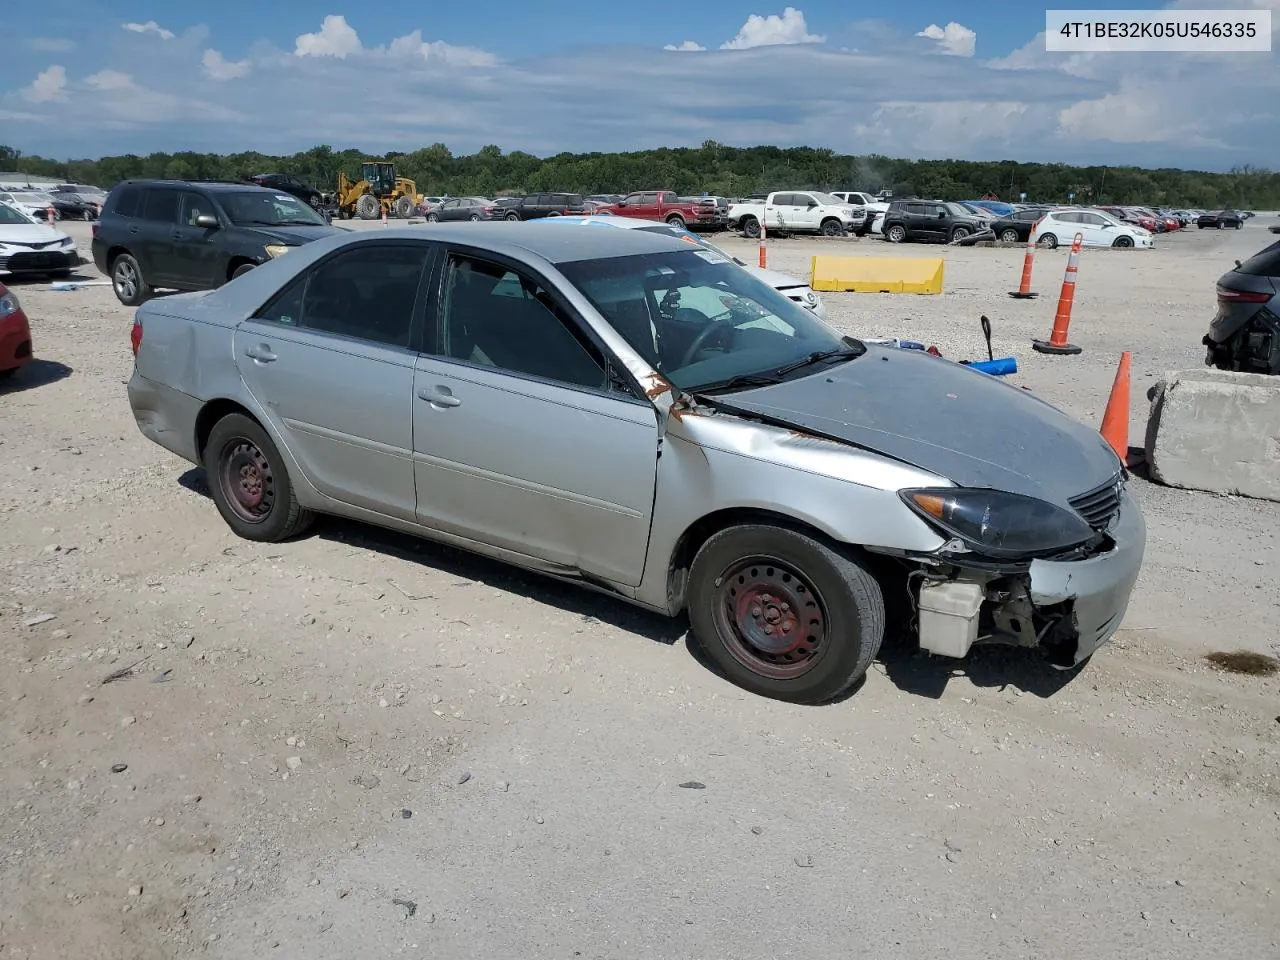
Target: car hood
[971, 428]
[28, 233]
[295, 235]
[775, 278]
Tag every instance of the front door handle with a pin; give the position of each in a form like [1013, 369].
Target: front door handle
[439, 397]
[261, 353]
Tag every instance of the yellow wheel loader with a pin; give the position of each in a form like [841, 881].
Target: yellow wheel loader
[378, 189]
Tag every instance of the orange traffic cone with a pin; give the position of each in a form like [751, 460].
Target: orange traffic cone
[1115, 419]
[1057, 343]
[764, 257]
[1024, 291]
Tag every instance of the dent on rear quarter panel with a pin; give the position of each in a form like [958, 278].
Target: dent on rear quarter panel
[714, 461]
[187, 345]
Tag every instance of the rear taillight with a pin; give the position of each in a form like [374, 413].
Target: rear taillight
[1227, 295]
[135, 336]
[94, 228]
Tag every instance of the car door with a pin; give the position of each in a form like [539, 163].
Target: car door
[330, 360]
[1097, 232]
[449, 210]
[779, 211]
[155, 245]
[196, 252]
[806, 212]
[520, 439]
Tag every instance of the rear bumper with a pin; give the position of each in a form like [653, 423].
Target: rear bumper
[165, 416]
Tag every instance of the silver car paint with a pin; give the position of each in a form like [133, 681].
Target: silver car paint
[709, 462]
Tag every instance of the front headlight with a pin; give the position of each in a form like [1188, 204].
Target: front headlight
[277, 250]
[9, 305]
[67, 242]
[1000, 525]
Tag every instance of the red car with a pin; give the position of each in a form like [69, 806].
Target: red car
[15, 334]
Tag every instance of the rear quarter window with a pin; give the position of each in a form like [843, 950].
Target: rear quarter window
[1265, 263]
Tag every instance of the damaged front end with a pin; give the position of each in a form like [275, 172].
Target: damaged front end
[1067, 604]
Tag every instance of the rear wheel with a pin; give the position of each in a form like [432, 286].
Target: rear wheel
[368, 207]
[127, 281]
[675, 220]
[241, 270]
[831, 227]
[513, 215]
[784, 615]
[475, 218]
[896, 233]
[751, 227]
[250, 483]
[1009, 235]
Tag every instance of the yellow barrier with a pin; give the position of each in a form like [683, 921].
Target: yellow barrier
[877, 274]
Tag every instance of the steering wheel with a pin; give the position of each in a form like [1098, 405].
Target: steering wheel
[714, 327]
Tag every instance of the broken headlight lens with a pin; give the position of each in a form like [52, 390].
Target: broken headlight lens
[1000, 525]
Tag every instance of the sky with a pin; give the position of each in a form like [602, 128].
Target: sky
[927, 79]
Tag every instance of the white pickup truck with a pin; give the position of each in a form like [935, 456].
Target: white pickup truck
[796, 211]
[870, 203]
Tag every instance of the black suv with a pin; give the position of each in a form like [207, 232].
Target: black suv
[538, 205]
[928, 220]
[195, 235]
[292, 185]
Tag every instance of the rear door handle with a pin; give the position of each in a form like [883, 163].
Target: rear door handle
[439, 397]
[261, 353]
[133, 229]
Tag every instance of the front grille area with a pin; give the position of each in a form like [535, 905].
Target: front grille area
[1100, 505]
[41, 260]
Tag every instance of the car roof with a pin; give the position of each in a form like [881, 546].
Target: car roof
[216, 186]
[553, 243]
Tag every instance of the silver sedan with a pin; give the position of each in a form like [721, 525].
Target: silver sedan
[641, 416]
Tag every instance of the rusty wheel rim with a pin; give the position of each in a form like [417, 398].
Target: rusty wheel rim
[247, 481]
[771, 618]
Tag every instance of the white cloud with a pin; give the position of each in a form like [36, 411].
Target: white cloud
[150, 27]
[412, 45]
[217, 67]
[110, 80]
[772, 30]
[687, 47]
[49, 86]
[336, 38]
[954, 39]
[49, 44]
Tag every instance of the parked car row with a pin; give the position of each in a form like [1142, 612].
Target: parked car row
[32, 246]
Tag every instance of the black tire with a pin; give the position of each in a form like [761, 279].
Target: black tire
[1123, 242]
[433, 217]
[896, 233]
[241, 270]
[675, 220]
[6, 374]
[475, 218]
[1047, 240]
[403, 207]
[512, 216]
[239, 453]
[368, 207]
[1239, 224]
[831, 227]
[130, 287]
[848, 615]
[959, 233]
[1009, 235]
[750, 227]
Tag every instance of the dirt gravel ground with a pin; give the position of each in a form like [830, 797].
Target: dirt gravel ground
[358, 744]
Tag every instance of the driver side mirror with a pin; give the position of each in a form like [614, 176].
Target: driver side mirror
[812, 204]
[942, 214]
[208, 221]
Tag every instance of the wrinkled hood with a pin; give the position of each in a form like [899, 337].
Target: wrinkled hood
[971, 428]
[28, 233]
[293, 235]
[775, 278]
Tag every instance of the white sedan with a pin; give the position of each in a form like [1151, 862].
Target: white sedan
[1097, 229]
[790, 287]
[27, 246]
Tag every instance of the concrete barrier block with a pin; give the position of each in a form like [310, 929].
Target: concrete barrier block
[877, 274]
[1216, 430]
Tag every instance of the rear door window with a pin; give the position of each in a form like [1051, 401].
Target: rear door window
[1265, 263]
[161, 205]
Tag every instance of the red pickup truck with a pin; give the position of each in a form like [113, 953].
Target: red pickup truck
[665, 205]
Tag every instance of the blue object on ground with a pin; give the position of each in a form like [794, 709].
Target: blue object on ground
[999, 367]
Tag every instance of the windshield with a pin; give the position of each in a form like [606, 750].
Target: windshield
[266, 208]
[701, 320]
[29, 197]
[9, 216]
[958, 210]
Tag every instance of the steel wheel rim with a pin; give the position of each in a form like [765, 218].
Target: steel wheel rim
[126, 280]
[247, 481]
[770, 617]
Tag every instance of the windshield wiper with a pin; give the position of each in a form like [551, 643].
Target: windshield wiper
[734, 383]
[818, 357]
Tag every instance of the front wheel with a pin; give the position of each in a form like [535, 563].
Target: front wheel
[249, 482]
[959, 233]
[433, 218]
[784, 615]
[832, 228]
[896, 234]
[475, 218]
[751, 227]
[1048, 241]
[1123, 242]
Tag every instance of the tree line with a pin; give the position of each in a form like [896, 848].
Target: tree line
[711, 168]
